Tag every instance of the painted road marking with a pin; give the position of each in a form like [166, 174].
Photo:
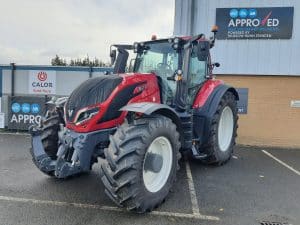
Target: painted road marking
[106, 208]
[16, 134]
[195, 205]
[281, 162]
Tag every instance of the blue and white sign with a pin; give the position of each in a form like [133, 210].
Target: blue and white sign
[35, 108]
[255, 23]
[25, 111]
[26, 108]
[252, 13]
[234, 13]
[243, 13]
[16, 107]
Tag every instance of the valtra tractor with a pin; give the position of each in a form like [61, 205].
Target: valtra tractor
[137, 124]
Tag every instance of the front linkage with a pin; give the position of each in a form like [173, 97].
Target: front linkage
[76, 151]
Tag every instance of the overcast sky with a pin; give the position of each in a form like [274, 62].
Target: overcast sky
[33, 31]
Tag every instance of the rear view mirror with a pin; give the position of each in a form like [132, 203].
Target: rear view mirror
[203, 50]
[113, 55]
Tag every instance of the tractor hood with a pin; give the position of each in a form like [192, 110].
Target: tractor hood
[91, 92]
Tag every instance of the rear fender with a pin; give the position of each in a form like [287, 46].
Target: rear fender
[203, 115]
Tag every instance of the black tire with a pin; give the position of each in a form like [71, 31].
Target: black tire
[49, 136]
[214, 154]
[122, 170]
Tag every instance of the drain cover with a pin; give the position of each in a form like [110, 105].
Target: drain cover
[275, 220]
[273, 223]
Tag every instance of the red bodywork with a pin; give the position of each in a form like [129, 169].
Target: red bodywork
[150, 93]
[205, 91]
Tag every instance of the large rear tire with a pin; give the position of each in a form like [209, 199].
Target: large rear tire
[223, 132]
[141, 163]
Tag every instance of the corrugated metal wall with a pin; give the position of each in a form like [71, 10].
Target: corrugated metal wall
[257, 57]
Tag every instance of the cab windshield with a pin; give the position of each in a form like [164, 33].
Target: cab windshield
[159, 58]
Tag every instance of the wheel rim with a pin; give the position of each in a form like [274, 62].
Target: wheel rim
[155, 181]
[225, 129]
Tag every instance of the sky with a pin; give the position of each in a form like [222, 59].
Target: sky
[34, 31]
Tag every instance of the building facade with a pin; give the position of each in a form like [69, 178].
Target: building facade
[258, 48]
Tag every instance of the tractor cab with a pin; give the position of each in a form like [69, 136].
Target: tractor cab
[165, 59]
[181, 64]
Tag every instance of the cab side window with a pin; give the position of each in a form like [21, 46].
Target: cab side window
[197, 71]
[197, 75]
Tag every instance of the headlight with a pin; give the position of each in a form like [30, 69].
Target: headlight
[85, 114]
[175, 46]
[135, 47]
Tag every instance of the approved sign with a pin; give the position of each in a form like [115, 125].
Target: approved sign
[24, 111]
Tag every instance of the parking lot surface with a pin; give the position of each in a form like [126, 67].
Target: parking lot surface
[255, 186]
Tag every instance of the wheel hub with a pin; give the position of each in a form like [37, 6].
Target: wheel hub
[153, 162]
[157, 164]
[225, 129]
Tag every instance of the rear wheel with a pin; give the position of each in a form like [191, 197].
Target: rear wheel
[223, 131]
[141, 163]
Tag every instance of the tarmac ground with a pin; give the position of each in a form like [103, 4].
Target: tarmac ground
[257, 186]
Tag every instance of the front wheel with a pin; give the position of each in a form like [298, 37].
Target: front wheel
[141, 162]
[49, 138]
[223, 131]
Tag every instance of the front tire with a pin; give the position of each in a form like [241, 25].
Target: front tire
[223, 132]
[141, 163]
[49, 137]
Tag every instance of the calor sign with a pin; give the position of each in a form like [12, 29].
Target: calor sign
[42, 82]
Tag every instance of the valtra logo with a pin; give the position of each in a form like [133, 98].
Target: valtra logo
[42, 76]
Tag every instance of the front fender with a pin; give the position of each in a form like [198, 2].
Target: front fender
[149, 108]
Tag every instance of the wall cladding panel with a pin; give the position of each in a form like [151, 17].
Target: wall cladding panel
[260, 57]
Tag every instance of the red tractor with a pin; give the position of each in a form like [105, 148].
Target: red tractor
[137, 124]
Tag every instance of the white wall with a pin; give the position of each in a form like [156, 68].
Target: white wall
[66, 81]
[266, 57]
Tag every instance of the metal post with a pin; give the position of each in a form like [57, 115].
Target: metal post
[90, 72]
[13, 68]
